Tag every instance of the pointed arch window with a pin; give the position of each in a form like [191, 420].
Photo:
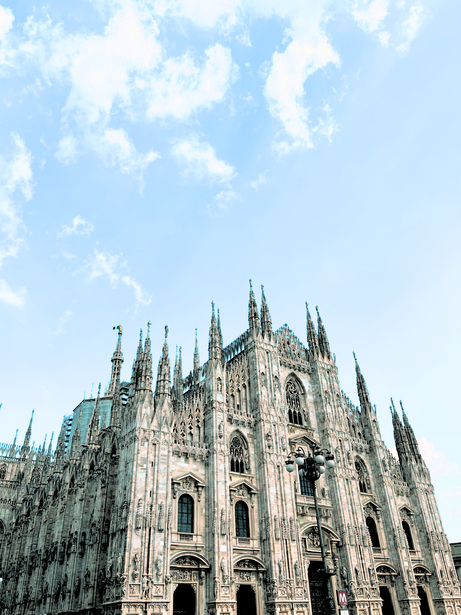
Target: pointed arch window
[3, 472]
[406, 529]
[242, 521]
[361, 477]
[237, 455]
[186, 514]
[293, 403]
[373, 531]
[307, 487]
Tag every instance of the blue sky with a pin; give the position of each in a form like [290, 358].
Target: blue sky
[156, 155]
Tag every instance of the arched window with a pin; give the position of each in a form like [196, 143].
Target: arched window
[294, 403]
[406, 529]
[307, 488]
[2, 472]
[186, 514]
[237, 455]
[242, 523]
[361, 476]
[371, 525]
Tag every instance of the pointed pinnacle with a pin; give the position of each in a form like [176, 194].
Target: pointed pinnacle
[401, 405]
[148, 328]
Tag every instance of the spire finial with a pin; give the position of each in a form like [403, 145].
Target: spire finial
[140, 337]
[99, 390]
[401, 405]
[148, 328]
[166, 332]
[251, 284]
[355, 358]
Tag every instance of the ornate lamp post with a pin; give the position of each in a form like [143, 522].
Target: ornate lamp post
[312, 467]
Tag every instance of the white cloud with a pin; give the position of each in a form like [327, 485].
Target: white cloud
[104, 265]
[15, 176]
[67, 149]
[369, 15]
[141, 297]
[284, 89]
[412, 24]
[9, 296]
[80, 226]
[182, 87]
[6, 21]
[225, 197]
[116, 148]
[258, 182]
[436, 461]
[199, 159]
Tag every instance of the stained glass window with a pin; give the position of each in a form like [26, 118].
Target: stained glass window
[186, 514]
[242, 524]
[237, 455]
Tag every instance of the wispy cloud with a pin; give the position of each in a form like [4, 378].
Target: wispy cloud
[436, 461]
[412, 24]
[61, 321]
[6, 21]
[104, 265]
[15, 177]
[79, 227]
[15, 298]
[255, 184]
[199, 159]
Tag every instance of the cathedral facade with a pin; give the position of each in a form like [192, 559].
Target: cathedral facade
[172, 498]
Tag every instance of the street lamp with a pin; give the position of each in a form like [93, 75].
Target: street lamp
[312, 467]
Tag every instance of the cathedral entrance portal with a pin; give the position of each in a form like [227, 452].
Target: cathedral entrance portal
[425, 610]
[385, 594]
[184, 600]
[318, 589]
[246, 600]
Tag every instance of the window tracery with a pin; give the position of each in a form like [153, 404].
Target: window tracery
[2, 472]
[239, 459]
[362, 477]
[293, 403]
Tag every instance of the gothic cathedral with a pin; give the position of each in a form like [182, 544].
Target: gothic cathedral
[177, 502]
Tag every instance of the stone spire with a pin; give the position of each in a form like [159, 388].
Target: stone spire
[196, 358]
[50, 446]
[178, 382]
[77, 437]
[145, 381]
[116, 408]
[400, 437]
[312, 340]
[324, 344]
[163, 372]
[266, 322]
[13, 446]
[214, 343]
[253, 316]
[117, 360]
[364, 396]
[412, 441]
[25, 446]
[219, 330]
[93, 426]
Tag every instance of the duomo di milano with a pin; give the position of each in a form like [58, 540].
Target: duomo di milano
[171, 497]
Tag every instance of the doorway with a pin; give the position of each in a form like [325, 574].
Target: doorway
[184, 600]
[385, 594]
[425, 610]
[318, 586]
[246, 600]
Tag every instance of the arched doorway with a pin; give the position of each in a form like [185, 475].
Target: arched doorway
[385, 594]
[184, 600]
[246, 600]
[318, 586]
[425, 610]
